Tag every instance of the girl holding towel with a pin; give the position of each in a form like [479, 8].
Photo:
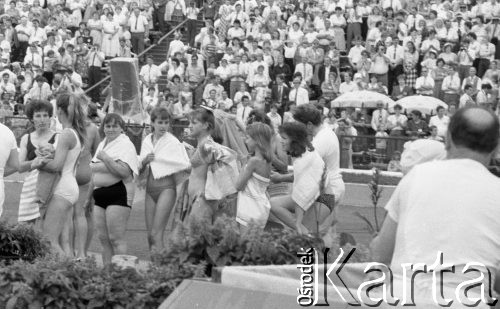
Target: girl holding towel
[164, 163]
[253, 202]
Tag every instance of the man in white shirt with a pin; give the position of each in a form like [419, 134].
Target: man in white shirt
[23, 31]
[139, 30]
[149, 75]
[176, 45]
[441, 121]
[37, 34]
[305, 69]
[95, 59]
[379, 117]
[6, 86]
[40, 90]
[472, 80]
[429, 209]
[395, 53]
[486, 54]
[466, 99]
[424, 85]
[243, 110]
[33, 57]
[483, 97]
[451, 87]
[236, 31]
[238, 14]
[355, 52]
[298, 94]
[348, 85]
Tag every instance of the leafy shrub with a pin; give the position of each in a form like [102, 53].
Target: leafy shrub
[222, 244]
[21, 242]
[51, 283]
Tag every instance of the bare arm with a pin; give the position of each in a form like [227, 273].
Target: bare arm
[24, 165]
[382, 247]
[117, 168]
[12, 165]
[67, 141]
[241, 183]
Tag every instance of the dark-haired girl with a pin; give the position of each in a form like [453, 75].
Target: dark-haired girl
[307, 172]
[163, 159]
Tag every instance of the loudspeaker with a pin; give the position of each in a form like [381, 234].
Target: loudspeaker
[125, 89]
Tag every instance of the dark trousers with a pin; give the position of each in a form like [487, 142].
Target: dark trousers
[95, 76]
[191, 31]
[483, 65]
[159, 18]
[137, 40]
[21, 51]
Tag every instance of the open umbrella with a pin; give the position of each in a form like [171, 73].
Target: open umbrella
[425, 104]
[360, 99]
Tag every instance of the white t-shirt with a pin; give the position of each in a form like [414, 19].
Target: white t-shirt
[326, 144]
[441, 124]
[448, 206]
[8, 144]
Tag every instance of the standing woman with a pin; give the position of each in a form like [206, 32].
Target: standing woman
[82, 218]
[114, 167]
[39, 113]
[202, 125]
[69, 145]
[164, 159]
[110, 40]
[9, 162]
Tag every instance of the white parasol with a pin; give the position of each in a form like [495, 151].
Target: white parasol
[425, 104]
[360, 99]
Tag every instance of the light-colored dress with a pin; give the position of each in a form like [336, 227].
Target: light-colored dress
[95, 30]
[253, 202]
[110, 40]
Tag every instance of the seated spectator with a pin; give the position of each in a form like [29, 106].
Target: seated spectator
[417, 127]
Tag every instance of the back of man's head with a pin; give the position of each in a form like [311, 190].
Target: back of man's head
[308, 113]
[475, 128]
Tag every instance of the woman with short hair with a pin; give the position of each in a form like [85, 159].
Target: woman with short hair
[40, 113]
[114, 167]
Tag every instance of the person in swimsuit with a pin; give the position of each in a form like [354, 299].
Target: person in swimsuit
[69, 146]
[39, 113]
[202, 125]
[81, 218]
[113, 167]
[164, 161]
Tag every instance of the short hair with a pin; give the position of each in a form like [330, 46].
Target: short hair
[486, 86]
[439, 108]
[397, 106]
[258, 116]
[160, 113]
[112, 118]
[417, 113]
[36, 106]
[244, 97]
[467, 87]
[440, 60]
[306, 113]
[478, 135]
[5, 74]
[204, 116]
[40, 78]
[299, 141]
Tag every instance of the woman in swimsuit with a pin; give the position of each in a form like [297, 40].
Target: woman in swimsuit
[69, 145]
[40, 114]
[202, 125]
[164, 159]
[113, 167]
[82, 217]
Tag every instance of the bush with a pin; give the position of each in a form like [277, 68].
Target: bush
[21, 242]
[50, 283]
[222, 244]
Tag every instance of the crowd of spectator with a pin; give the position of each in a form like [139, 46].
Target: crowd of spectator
[263, 55]
[275, 55]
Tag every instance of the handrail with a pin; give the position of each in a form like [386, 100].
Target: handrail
[141, 54]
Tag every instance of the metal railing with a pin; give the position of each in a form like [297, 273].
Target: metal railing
[141, 54]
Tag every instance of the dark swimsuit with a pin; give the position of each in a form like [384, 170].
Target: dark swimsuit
[31, 149]
[114, 195]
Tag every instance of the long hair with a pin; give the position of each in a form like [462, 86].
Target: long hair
[72, 105]
[299, 142]
[262, 134]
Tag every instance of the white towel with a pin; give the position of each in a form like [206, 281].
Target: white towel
[120, 149]
[170, 155]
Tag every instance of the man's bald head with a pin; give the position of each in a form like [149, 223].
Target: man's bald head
[475, 128]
